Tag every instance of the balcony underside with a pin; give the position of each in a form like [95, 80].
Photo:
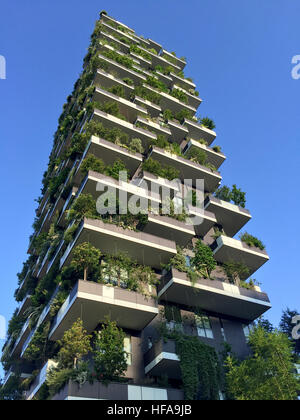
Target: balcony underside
[162, 359]
[130, 110]
[155, 127]
[169, 228]
[157, 184]
[92, 302]
[96, 184]
[110, 152]
[170, 102]
[184, 82]
[179, 132]
[197, 132]
[231, 217]
[106, 81]
[123, 72]
[144, 248]
[111, 122]
[204, 221]
[188, 169]
[216, 159]
[213, 296]
[227, 249]
[152, 109]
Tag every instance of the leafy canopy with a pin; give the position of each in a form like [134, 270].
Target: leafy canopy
[268, 373]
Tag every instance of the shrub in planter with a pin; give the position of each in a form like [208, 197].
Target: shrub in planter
[136, 146]
[180, 95]
[234, 271]
[252, 241]
[117, 90]
[203, 260]
[84, 206]
[92, 163]
[198, 156]
[208, 123]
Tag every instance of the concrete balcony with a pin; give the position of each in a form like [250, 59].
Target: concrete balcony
[45, 316]
[158, 60]
[107, 81]
[169, 228]
[154, 127]
[96, 183]
[143, 62]
[21, 339]
[144, 248]
[231, 217]
[226, 249]
[198, 131]
[162, 359]
[123, 72]
[214, 158]
[109, 121]
[206, 220]
[127, 108]
[12, 372]
[24, 304]
[62, 217]
[213, 296]
[155, 45]
[122, 46]
[117, 392]
[111, 30]
[187, 84]
[167, 80]
[158, 185]
[179, 132]
[179, 62]
[168, 101]
[109, 153]
[112, 22]
[188, 169]
[40, 380]
[152, 109]
[193, 100]
[92, 302]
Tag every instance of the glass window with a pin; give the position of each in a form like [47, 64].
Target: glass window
[128, 349]
[203, 326]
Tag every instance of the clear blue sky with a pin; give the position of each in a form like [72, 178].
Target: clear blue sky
[239, 53]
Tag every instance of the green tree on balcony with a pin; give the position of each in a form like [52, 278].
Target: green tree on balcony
[203, 260]
[75, 344]
[85, 258]
[110, 358]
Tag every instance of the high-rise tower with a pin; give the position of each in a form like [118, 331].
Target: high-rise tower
[178, 290]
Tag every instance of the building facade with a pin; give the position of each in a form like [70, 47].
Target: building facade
[134, 110]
